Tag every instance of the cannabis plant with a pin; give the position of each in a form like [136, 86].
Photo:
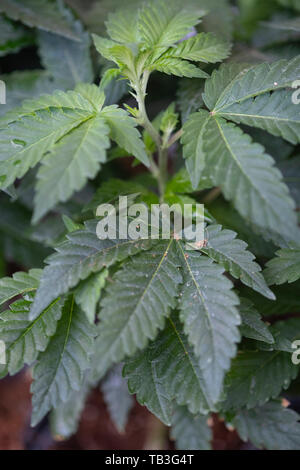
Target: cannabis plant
[190, 329]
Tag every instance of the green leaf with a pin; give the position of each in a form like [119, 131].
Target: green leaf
[225, 214]
[60, 369]
[122, 26]
[181, 183]
[93, 94]
[201, 48]
[276, 113]
[20, 283]
[24, 84]
[287, 300]
[283, 338]
[70, 225]
[58, 100]
[13, 37]
[271, 427]
[190, 432]
[71, 162]
[224, 248]
[219, 18]
[103, 46]
[19, 242]
[284, 268]
[24, 142]
[291, 175]
[75, 55]
[43, 14]
[207, 309]
[124, 133]
[88, 293]
[141, 372]
[285, 333]
[248, 178]
[65, 418]
[169, 120]
[111, 190]
[24, 339]
[162, 25]
[113, 86]
[137, 303]
[193, 142]
[288, 25]
[81, 255]
[189, 97]
[256, 377]
[178, 67]
[258, 80]
[176, 374]
[123, 57]
[222, 80]
[117, 398]
[252, 325]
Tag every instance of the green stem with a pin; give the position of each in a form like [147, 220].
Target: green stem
[175, 137]
[160, 172]
[163, 171]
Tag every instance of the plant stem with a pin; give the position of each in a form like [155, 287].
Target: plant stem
[163, 171]
[175, 137]
[160, 172]
[212, 195]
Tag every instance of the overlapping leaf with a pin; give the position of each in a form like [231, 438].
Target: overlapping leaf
[177, 374]
[137, 303]
[193, 142]
[190, 432]
[24, 339]
[64, 419]
[22, 85]
[60, 369]
[249, 83]
[276, 113]
[88, 292]
[143, 381]
[178, 67]
[117, 398]
[74, 160]
[123, 131]
[208, 311]
[271, 427]
[81, 255]
[44, 14]
[284, 268]
[224, 248]
[24, 142]
[201, 48]
[122, 26]
[13, 37]
[56, 50]
[162, 25]
[248, 178]
[19, 284]
[257, 376]
[252, 325]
